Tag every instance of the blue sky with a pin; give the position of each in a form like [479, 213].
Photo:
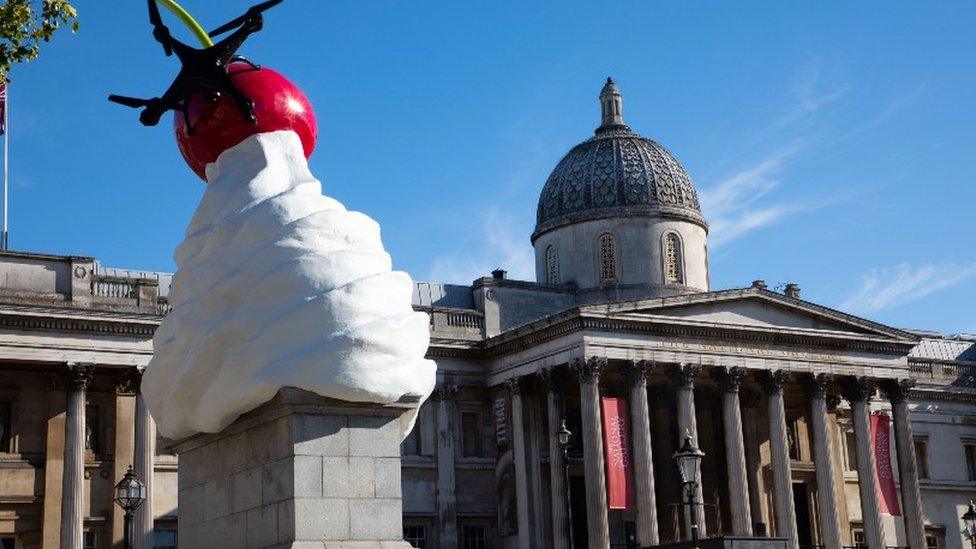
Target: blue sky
[832, 145]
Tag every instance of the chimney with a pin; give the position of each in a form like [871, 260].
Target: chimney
[759, 284]
[499, 274]
[792, 289]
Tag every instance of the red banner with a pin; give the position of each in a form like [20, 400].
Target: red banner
[616, 451]
[881, 440]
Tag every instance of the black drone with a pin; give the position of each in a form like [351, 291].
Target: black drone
[203, 71]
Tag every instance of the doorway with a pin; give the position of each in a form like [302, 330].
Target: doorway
[801, 503]
[577, 486]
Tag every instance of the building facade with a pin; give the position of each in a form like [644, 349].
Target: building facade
[784, 396]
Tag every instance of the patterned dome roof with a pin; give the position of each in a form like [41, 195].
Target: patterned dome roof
[616, 173]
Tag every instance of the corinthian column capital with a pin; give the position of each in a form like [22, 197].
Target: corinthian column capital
[588, 371]
[896, 390]
[79, 375]
[730, 378]
[819, 385]
[683, 375]
[639, 370]
[857, 389]
[444, 392]
[773, 381]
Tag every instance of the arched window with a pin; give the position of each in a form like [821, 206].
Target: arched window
[674, 271]
[552, 266]
[608, 258]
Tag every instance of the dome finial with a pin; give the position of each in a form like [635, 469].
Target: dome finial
[611, 105]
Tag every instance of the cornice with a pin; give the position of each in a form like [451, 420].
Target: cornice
[60, 320]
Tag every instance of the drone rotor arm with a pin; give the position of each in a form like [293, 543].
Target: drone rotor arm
[254, 12]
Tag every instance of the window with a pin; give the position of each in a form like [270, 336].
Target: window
[851, 453]
[471, 434]
[932, 542]
[415, 535]
[970, 448]
[793, 440]
[89, 540]
[934, 538]
[673, 260]
[608, 258]
[858, 539]
[922, 457]
[6, 413]
[164, 539]
[552, 265]
[474, 537]
[93, 430]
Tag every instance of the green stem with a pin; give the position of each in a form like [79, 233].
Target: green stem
[189, 21]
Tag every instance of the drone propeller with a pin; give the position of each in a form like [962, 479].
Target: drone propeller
[133, 102]
[251, 12]
[160, 31]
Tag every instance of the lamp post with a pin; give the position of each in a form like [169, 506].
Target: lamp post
[688, 459]
[564, 435]
[130, 492]
[970, 517]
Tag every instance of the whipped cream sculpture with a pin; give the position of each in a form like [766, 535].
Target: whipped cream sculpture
[277, 285]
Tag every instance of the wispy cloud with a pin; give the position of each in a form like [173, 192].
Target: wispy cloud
[733, 205]
[502, 242]
[904, 283]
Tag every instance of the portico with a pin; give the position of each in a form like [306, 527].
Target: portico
[700, 364]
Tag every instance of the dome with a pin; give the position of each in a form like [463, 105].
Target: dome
[616, 173]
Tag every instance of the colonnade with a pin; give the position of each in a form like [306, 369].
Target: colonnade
[820, 389]
[79, 377]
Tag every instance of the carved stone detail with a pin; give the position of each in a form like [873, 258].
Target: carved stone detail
[833, 401]
[683, 375]
[856, 389]
[588, 371]
[444, 392]
[513, 386]
[639, 370]
[79, 375]
[773, 381]
[730, 378]
[896, 390]
[129, 382]
[819, 385]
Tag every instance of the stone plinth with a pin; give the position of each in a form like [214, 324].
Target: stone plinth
[299, 471]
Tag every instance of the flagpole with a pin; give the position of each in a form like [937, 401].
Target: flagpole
[5, 239]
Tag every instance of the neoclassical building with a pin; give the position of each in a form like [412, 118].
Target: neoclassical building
[621, 337]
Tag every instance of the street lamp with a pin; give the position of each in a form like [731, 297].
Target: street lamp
[688, 458]
[130, 492]
[970, 517]
[564, 435]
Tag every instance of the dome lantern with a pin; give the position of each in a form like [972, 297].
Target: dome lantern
[611, 105]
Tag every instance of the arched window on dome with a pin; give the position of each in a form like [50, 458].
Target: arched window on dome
[552, 265]
[608, 258]
[674, 266]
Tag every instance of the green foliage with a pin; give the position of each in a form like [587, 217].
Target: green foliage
[25, 24]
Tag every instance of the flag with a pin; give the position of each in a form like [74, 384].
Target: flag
[3, 108]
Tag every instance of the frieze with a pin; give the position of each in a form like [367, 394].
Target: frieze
[53, 324]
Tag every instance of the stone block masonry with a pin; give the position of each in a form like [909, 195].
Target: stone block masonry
[299, 471]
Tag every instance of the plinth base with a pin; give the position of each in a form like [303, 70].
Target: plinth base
[301, 471]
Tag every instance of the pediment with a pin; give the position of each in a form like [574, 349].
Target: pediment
[751, 308]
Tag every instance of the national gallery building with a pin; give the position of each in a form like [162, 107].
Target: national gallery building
[560, 402]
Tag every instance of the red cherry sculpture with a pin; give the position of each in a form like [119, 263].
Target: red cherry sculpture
[219, 125]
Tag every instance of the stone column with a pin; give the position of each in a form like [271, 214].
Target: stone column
[123, 446]
[145, 453]
[73, 481]
[823, 461]
[683, 378]
[897, 393]
[557, 465]
[858, 391]
[598, 525]
[735, 451]
[647, 529]
[54, 461]
[514, 388]
[444, 396]
[773, 383]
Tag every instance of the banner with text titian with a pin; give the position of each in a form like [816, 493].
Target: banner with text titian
[616, 449]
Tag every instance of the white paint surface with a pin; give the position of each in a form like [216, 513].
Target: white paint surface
[280, 286]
